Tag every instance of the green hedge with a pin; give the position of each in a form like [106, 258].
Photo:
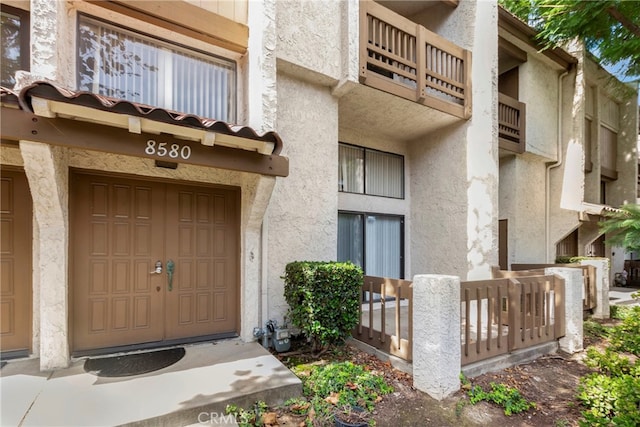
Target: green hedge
[323, 299]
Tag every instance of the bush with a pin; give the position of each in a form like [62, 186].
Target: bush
[612, 395]
[626, 336]
[323, 300]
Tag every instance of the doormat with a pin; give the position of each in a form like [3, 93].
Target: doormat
[133, 364]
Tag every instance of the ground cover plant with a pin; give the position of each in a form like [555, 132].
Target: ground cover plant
[611, 394]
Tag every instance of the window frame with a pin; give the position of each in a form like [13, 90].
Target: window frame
[364, 171]
[233, 88]
[25, 33]
[364, 216]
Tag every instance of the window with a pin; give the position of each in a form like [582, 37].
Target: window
[366, 171]
[373, 242]
[122, 64]
[15, 44]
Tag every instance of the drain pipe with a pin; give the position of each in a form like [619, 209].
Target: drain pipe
[263, 315]
[558, 163]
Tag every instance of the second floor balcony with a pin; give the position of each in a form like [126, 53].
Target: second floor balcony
[511, 124]
[405, 59]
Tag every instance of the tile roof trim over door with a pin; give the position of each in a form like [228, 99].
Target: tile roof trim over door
[237, 144]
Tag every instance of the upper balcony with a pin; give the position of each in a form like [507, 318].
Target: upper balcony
[511, 124]
[405, 59]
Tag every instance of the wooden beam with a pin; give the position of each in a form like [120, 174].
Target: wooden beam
[19, 125]
[185, 18]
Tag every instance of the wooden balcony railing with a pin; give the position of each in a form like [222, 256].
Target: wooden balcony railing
[403, 58]
[511, 123]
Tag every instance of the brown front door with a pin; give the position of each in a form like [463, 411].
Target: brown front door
[15, 262]
[122, 229]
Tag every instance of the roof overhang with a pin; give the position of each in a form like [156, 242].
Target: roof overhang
[520, 30]
[594, 211]
[113, 125]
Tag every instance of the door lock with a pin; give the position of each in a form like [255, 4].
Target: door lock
[158, 269]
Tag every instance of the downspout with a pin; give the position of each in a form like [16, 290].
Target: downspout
[558, 163]
[263, 315]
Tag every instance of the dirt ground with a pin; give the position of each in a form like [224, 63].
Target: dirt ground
[550, 382]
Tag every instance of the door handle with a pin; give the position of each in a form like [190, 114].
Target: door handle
[158, 269]
[170, 268]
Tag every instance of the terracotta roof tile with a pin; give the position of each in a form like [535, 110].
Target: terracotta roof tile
[52, 92]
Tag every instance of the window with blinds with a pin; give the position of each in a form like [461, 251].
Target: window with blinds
[372, 241]
[120, 63]
[365, 171]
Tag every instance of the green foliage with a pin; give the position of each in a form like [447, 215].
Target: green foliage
[610, 400]
[337, 385]
[248, 417]
[564, 259]
[351, 384]
[623, 227]
[620, 312]
[612, 394]
[594, 329]
[507, 397]
[608, 27]
[626, 336]
[323, 299]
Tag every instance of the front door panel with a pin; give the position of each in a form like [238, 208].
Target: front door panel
[15, 262]
[202, 232]
[118, 232]
[122, 227]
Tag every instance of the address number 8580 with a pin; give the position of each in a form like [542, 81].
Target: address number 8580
[164, 149]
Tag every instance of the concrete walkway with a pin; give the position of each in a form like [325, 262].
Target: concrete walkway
[622, 295]
[194, 390]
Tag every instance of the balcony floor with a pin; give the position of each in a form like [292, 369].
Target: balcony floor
[379, 113]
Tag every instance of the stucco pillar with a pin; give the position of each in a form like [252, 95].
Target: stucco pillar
[52, 50]
[255, 200]
[47, 172]
[436, 334]
[573, 284]
[601, 311]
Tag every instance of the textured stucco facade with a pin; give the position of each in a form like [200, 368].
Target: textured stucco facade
[300, 76]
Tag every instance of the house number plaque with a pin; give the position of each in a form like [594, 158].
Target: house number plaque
[164, 149]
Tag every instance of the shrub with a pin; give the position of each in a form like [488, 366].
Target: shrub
[626, 336]
[323, 300]
[612, 395]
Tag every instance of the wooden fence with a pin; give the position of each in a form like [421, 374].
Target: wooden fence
[391, 335]
[503, 315]
[498, 315]
[588, 278]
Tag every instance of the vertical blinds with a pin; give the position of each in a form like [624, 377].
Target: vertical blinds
[118, 63]
[370, 172]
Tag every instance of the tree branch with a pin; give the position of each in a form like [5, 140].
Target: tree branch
[626, 22]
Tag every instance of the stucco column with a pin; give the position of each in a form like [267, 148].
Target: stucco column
[52, 50]
[47, 172]
[436, 334]
[572, 341]
[601, 311]
[255, 200]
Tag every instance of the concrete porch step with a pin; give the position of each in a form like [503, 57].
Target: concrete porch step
[204, 381]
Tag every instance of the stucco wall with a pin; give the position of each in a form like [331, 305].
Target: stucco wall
[438, 186]
[309, 35]
[539, 91]
[302, 218]
[522, 203]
